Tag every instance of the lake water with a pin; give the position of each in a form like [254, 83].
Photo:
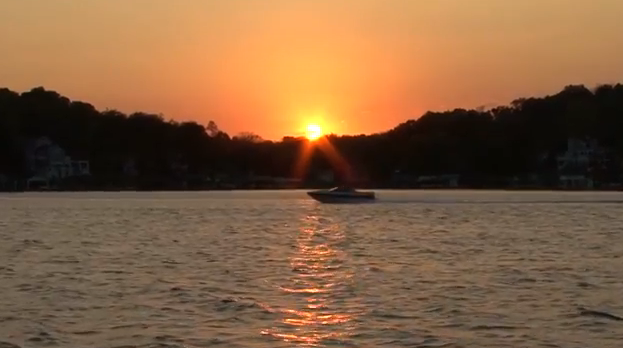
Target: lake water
[276, 269]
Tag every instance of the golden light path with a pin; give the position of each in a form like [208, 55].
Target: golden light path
[321, 303]
[321, 306]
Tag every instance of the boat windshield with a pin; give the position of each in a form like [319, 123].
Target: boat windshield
[342, 189]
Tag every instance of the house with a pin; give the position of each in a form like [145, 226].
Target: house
[437, 181]
[576, 164]
[129, 168]
[579, 154]
[49, 163]
[577, 181]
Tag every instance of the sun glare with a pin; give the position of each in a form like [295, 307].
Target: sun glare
[313, 132]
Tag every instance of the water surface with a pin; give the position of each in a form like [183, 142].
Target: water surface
[275, 269]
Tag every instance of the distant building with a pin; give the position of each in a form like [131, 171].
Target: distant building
[129, 168]
[433, 181]
[577, 181]
[49, 163]
[576, 164]
[580, 154]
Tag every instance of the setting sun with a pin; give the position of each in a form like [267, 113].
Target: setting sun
[313, 132]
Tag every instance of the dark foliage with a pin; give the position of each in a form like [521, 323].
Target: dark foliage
[479, 145]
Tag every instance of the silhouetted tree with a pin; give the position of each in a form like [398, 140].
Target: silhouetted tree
[248, 137]
[518, 139]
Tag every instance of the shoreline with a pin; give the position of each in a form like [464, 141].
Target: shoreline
[504, 189]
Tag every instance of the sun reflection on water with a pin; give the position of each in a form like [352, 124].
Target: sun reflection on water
[322, 305]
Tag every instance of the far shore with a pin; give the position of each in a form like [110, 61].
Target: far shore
[504, 189]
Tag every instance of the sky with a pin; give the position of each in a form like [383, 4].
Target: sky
[273, 66]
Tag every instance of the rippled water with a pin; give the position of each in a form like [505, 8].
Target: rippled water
[275, 269]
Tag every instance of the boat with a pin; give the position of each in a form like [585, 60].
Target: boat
[342, 194]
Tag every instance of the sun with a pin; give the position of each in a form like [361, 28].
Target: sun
[313, 132]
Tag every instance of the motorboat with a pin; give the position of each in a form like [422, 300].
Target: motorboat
[342, 194]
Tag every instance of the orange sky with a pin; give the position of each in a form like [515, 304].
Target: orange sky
[272, 66]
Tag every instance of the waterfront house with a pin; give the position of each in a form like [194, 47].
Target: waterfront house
[49, 163]
[575, 165]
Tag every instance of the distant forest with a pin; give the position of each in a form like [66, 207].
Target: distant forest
[482, 146]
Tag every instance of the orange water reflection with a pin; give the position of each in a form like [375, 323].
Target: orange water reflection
[320, 301]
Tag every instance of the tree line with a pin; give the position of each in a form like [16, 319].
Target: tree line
[480, 145]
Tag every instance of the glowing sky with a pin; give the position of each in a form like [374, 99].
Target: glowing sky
[272, 66]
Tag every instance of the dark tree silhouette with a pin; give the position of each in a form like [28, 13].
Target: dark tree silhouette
[481, 145]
